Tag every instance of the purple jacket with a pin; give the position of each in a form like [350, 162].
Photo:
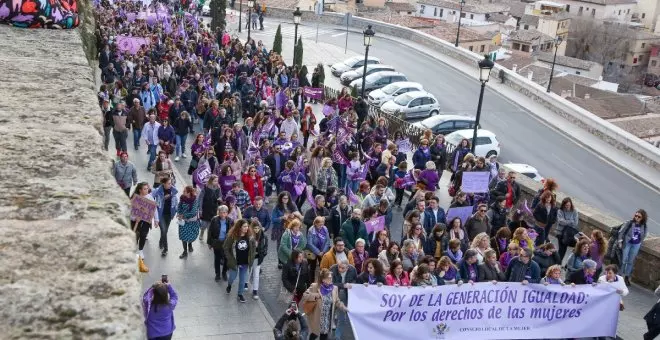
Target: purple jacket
[159, 320]
[430, 178]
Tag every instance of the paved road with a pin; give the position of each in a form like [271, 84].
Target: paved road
[523, 138]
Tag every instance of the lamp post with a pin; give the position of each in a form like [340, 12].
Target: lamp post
[240, 15]
[460, 15]
[249, 19]
[368, 35]
[558, 42]
[485, 66]
[297, 16]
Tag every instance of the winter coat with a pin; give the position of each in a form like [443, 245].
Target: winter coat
[337, 218]
[544, 261]
[420, 158]
[291, 275]
[464, 271]
[516, 271]
[213, 236]
[229, 247]
[315, 316]
[329, 259]
[489, 273]
[249, 186]
[312, 240]
[350, 237]
[286, 245]
[262, 246]
[439, 156]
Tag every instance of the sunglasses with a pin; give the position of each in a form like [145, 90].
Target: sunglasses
[638, 216]
[482, 210]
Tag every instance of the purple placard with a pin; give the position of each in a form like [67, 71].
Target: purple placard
[461, 212]
[328, 110]
[375, 224]
[202, 174]
[310, 198]
[313, 92]
[361, 174]
[339, 157]
[130, 44]
[352, 197]
[142, 209]
[475, 181]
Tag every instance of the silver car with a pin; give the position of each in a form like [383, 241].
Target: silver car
[412, 105]
[348, 76]
[351, 64]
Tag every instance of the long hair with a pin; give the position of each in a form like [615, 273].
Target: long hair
[138, 188]
[289, 205]
[566, 200]
[598, 237]
[235, 231]
[644, 216]
[161, 296]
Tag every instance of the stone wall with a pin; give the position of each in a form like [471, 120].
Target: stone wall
[67, 266]
[608, 132]
[647, 266]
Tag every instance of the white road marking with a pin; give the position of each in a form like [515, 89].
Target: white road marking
[338, 34]
[568, 165]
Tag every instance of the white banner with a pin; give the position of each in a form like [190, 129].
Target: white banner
[483, 311]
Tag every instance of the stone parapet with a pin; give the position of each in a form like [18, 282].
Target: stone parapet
[67, 266]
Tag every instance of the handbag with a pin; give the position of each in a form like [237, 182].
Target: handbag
[193, 163]
[309, 255]
[568, 236]
[309, 306]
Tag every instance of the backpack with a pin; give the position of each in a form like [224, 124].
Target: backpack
[613, 254]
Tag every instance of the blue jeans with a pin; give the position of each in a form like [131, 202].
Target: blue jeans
[137, 134]
[342, 323]
[152, 154]
[630, 252]
[242, 273]
[181, 144]
[354, 185]
[342, 176]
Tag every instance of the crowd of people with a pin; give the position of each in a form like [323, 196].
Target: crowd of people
[274, 172]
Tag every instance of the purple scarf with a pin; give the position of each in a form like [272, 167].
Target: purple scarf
[321, 236]
[552, 281]
[450, 274]
[589, 279]
[372, 279]
[502, 244]
[326, 289]
[455, 257]
[295, 239]
[523, 243]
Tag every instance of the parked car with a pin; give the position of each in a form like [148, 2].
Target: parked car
[526, 170]
[206, 10]
[351, 64]
[389, 92]
[412, 105]
[446, 124]
[378, 80]
[348, 76]
[487, 143]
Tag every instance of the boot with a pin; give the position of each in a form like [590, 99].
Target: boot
[185, 251]
[201, 234]
[190, 248]
[627, 281]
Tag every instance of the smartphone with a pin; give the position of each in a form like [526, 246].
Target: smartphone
[163, 278]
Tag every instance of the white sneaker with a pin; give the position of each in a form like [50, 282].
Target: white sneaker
[184, 156]
[176, 159]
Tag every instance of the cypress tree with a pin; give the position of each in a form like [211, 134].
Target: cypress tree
[277, 43]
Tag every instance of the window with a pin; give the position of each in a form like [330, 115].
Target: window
[482, 48]
[441, 10]
[483, 140]
[444, 126]
[421, 9]
[471, 16]
[461, 124]
[470, 48]
[524, 48]
[579, 11]
[653, 63]
[619, 12]
[435, 11]
[516, 46]
[643, 44]
[463, 15]
[577, 72]
[415, 102]
[643, 15]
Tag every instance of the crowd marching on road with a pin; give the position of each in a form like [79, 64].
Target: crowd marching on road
[269, 180]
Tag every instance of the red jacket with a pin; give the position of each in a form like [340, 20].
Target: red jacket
[303, 121]
[163, 110]
[249, 186]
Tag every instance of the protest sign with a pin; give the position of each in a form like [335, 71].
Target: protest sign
[404, 145]
[375, 224]
[310, 197]
[461, 212]
[361, 174]
[339, 157]
[484, 311]
[475, 181]
[130, 44]
[202, 174]
[352, 197]
[142, 209]
[313, 92]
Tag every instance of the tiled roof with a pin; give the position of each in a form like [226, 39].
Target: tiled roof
[529, 36]
[447, 31]
[614, 106]
[528, 19]
[474, 7]
[520, 59]
[401, 20]
[560, 84]
[497, 17]
[642, 127]
[540, 74]
[401, 7]
[609, 2]
[517, 8]
[585, 81]
[566, 61]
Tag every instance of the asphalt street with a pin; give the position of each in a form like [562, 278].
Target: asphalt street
[523, 138]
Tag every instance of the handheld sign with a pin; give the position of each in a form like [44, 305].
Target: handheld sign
[142, 209]
[475, 181]
[375, 224]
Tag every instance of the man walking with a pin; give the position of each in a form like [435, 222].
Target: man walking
[119, 131]
[150, 134]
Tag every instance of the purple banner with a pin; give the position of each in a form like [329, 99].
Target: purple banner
[352, 197]
[313, 92]
[202, 174]
[339, 157]
[130, 44]
[404, 145]
[361, 175]
[461, 212]
[376, 224]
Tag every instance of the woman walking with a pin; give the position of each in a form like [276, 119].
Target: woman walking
[158, 303]
[140, 227]
[187, 214]
[240, 249]
[325, 296]
[630, 240]
[163, 169]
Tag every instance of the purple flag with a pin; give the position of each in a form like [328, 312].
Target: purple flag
[207, 142]
[299, 187]
[310, 198]
[404, 145]
[313, 92]
[130, 44]
[328, 110]
[375, 224]
[167, 25]
[130, 17]
[339, 157]
[256, 136]
[461, 212]
[333, 124]
[269, 125]
[202, 174]
[352, 197]
[361, 175]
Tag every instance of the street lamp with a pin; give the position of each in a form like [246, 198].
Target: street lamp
[249, 20]
[485, 66]
[368, 36]
[460, 15]
[297, 16]
[557, 42]
[240, 15]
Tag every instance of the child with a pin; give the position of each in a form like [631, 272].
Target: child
[352, 171]
[399, 181]
[454, 251]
